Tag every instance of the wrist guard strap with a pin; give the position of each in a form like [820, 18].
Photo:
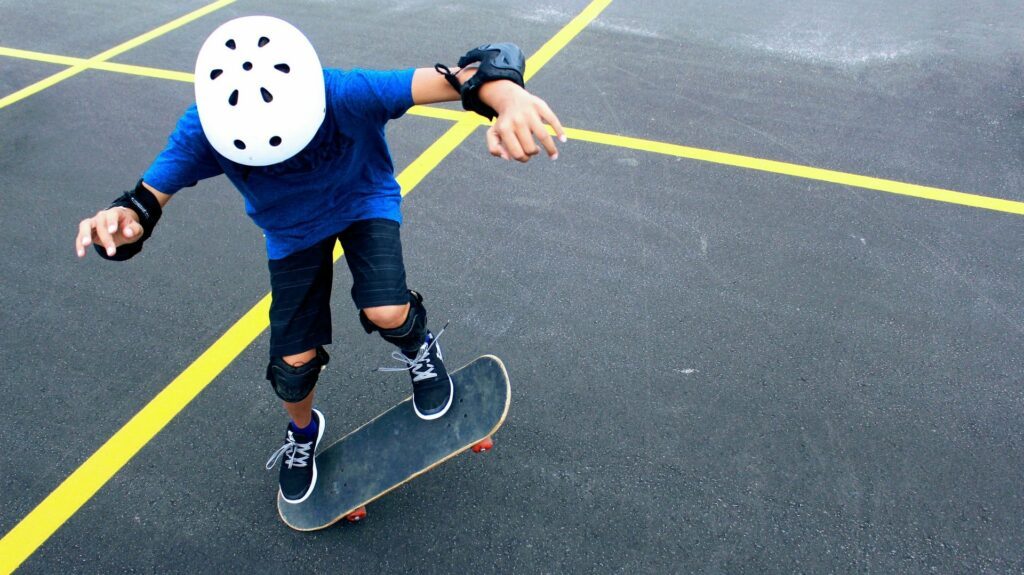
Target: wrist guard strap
[145, 205]
[504, 61]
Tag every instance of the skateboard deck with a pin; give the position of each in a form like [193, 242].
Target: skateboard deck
[397, 446]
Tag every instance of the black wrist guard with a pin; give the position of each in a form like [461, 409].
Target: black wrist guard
[504, 61]
[145, 205]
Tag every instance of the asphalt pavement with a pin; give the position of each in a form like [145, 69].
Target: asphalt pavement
[714, 369]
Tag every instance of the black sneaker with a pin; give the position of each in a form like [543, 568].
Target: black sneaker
[298, 470]
[432, 388]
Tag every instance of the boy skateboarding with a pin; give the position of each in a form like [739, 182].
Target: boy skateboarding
[305, 147]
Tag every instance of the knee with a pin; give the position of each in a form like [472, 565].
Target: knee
[300, 359]
[293, 381]
[388, 316]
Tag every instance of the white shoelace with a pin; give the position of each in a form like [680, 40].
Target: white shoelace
[420, 365]
[296, 454]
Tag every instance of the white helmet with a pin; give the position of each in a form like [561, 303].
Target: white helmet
[259, 90]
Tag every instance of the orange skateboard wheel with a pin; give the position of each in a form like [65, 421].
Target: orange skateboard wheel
[357, 515]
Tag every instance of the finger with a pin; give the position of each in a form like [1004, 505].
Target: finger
[125, 216]
[132, 232]
[502, 150]
[84, 236]
[103, 233]
[113, 220]
[525, 137]
[548, 116]
[126, 221]
[511, 142]
[493, 142]
[542, 134]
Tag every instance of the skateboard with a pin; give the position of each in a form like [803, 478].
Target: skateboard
[397, 446]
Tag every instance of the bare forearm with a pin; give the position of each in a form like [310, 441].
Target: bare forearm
[429, 87]
[160, 196]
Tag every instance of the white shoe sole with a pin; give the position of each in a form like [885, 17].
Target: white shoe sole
[433, 416]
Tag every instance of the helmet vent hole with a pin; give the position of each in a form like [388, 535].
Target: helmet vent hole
[247, 66]
[214, 74]
[230, 44]
[275, 141]
[233, 98]
[267, 96]
[283, 68]
[264, 41]
[240, 144]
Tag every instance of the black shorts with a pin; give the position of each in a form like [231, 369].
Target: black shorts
[300, 311]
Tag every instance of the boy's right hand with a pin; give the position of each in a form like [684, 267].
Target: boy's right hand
[109, 228]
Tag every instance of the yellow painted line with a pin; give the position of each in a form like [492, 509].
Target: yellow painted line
[105, 66]
[39, 86]
[444, 114]
[98, 59]
[84, 482]
[41, 56]
[144, 71]
[799, 171]
[428, 160]
[537, 61]
[81, 485]
[423, 111]
[160, 31]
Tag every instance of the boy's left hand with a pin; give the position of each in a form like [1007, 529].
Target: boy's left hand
[521, 118]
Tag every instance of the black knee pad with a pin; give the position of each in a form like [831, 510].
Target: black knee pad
[293, 384]
[408, 336]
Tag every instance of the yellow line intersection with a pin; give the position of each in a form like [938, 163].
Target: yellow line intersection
[615, 140]
[90, 64]
[100, 58]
